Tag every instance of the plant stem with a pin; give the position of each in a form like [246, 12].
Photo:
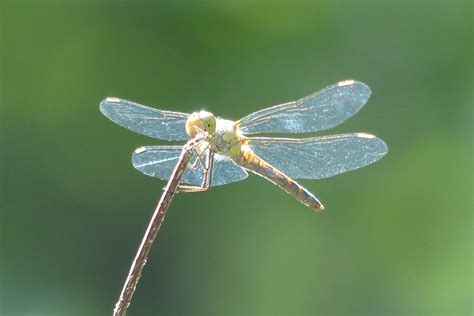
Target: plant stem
[153, 227]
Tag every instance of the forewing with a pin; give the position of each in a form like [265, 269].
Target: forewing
[159, 162]
[319, 157]
[145, 120]
[319, 111]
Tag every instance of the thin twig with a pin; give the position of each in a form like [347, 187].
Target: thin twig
[153, 227]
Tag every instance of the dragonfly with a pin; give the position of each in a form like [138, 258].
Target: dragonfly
[229, 150]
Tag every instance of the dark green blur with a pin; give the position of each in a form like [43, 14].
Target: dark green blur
[396, 238]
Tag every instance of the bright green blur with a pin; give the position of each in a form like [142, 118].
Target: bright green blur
[395, 238]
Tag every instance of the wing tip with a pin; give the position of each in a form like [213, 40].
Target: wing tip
[365, 135]
[364, 90]
[109, 100]
[106, 103]
[383, 148]
[113, 100]
[345, 83]
[140, 150]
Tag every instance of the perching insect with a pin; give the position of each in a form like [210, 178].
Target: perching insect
[226, 153]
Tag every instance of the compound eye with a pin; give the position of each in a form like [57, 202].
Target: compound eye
[194, 121]
[209, 122]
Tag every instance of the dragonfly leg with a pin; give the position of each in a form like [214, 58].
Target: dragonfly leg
[191, 188]
[197, 151]
[206, 183]
[194, 164]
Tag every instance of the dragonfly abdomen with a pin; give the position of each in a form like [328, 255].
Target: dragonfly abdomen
[249, 160]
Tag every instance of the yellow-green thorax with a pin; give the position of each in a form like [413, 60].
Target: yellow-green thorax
[225, 137]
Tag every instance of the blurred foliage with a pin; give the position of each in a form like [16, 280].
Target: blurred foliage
[396, 238]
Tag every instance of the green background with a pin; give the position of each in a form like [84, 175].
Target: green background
[396, 238]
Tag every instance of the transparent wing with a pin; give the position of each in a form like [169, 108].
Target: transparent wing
[319, 111]
[159, 162]
[319, 157]
[225, 170]
[148, 121]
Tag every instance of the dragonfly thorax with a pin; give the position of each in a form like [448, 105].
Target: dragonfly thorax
[200, 121]
[227, 140]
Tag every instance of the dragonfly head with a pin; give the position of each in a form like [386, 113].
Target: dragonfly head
[201, 121]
